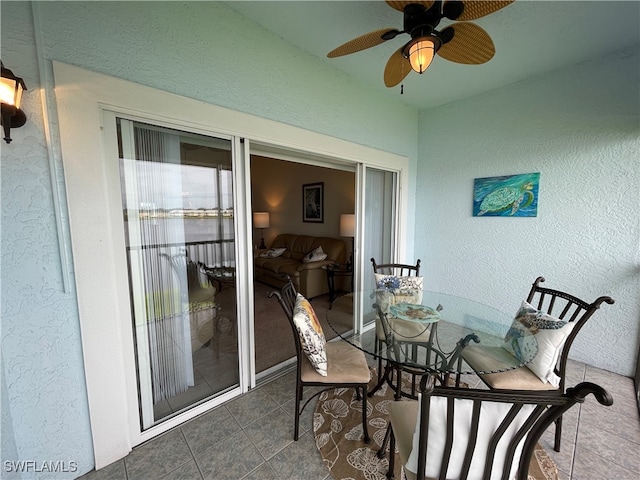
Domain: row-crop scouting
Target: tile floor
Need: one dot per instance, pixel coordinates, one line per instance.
(215, 361)
(251, 437)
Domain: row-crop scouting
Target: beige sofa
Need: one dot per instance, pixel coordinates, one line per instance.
(309, 278)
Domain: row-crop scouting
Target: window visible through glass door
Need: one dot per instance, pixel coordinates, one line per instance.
(177, 193)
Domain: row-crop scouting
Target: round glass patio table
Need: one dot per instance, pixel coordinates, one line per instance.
(429, 331)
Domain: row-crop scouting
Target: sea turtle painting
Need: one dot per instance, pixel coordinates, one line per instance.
(506, 196)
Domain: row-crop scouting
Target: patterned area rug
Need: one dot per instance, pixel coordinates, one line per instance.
(337, 425)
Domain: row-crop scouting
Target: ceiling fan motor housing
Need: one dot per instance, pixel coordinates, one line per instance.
(420, 23)
(417, 17)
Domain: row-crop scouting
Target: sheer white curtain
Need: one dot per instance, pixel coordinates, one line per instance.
(379, 212)
(156, 237)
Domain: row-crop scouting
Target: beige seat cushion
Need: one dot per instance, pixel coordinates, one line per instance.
(406, 331)
(486, 359)
(202, 295)
(345, 364)
(403, 416)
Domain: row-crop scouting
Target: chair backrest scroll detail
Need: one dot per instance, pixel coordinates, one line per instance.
(485, 434)
(396, 269)
(566, 307)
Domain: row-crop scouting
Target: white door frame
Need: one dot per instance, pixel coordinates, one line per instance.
(100, 267)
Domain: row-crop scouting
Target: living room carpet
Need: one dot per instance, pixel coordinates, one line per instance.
(337, 426)
(273, 335)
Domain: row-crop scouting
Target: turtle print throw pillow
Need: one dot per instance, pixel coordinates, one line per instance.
(544, 343)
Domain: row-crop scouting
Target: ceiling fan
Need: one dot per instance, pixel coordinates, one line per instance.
(460, 42)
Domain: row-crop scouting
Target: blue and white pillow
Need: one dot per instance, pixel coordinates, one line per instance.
(392, 289)
(537, 334)
(389, 283)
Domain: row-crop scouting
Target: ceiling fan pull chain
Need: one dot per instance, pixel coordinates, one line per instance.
(401, 89)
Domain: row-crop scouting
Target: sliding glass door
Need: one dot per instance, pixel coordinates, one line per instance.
(181, 230)
(179, 222)
(380, 225)
(380, 216)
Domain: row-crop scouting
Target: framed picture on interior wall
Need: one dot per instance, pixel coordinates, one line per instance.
(313, 202)
(506, 196)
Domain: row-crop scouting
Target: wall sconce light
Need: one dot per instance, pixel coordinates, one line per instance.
(11, 90)
(261, 221)
(348, 229)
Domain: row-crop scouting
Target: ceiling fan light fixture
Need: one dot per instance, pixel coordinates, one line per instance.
(421, 52)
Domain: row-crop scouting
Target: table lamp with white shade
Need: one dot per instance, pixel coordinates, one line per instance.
(348, 229)
(261, 221)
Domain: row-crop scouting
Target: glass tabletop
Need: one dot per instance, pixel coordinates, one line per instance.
(430, 331)
(338, 268)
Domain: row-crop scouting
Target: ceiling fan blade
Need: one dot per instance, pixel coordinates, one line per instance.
(397, 68)
(363, 42)
(400, 5)
(470, 45)
(477, 9)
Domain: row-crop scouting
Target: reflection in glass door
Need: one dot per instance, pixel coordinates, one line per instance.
(380, 218)
(179, 229)
(380, 225)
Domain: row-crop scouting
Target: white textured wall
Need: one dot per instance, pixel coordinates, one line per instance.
(579, 128)
(44, 401)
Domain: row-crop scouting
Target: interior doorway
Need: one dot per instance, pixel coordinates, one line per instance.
(277, 189)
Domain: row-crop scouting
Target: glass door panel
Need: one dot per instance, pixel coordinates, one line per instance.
(177, 193)
(379, 225)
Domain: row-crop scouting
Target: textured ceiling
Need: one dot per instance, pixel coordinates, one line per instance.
(531, 37)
